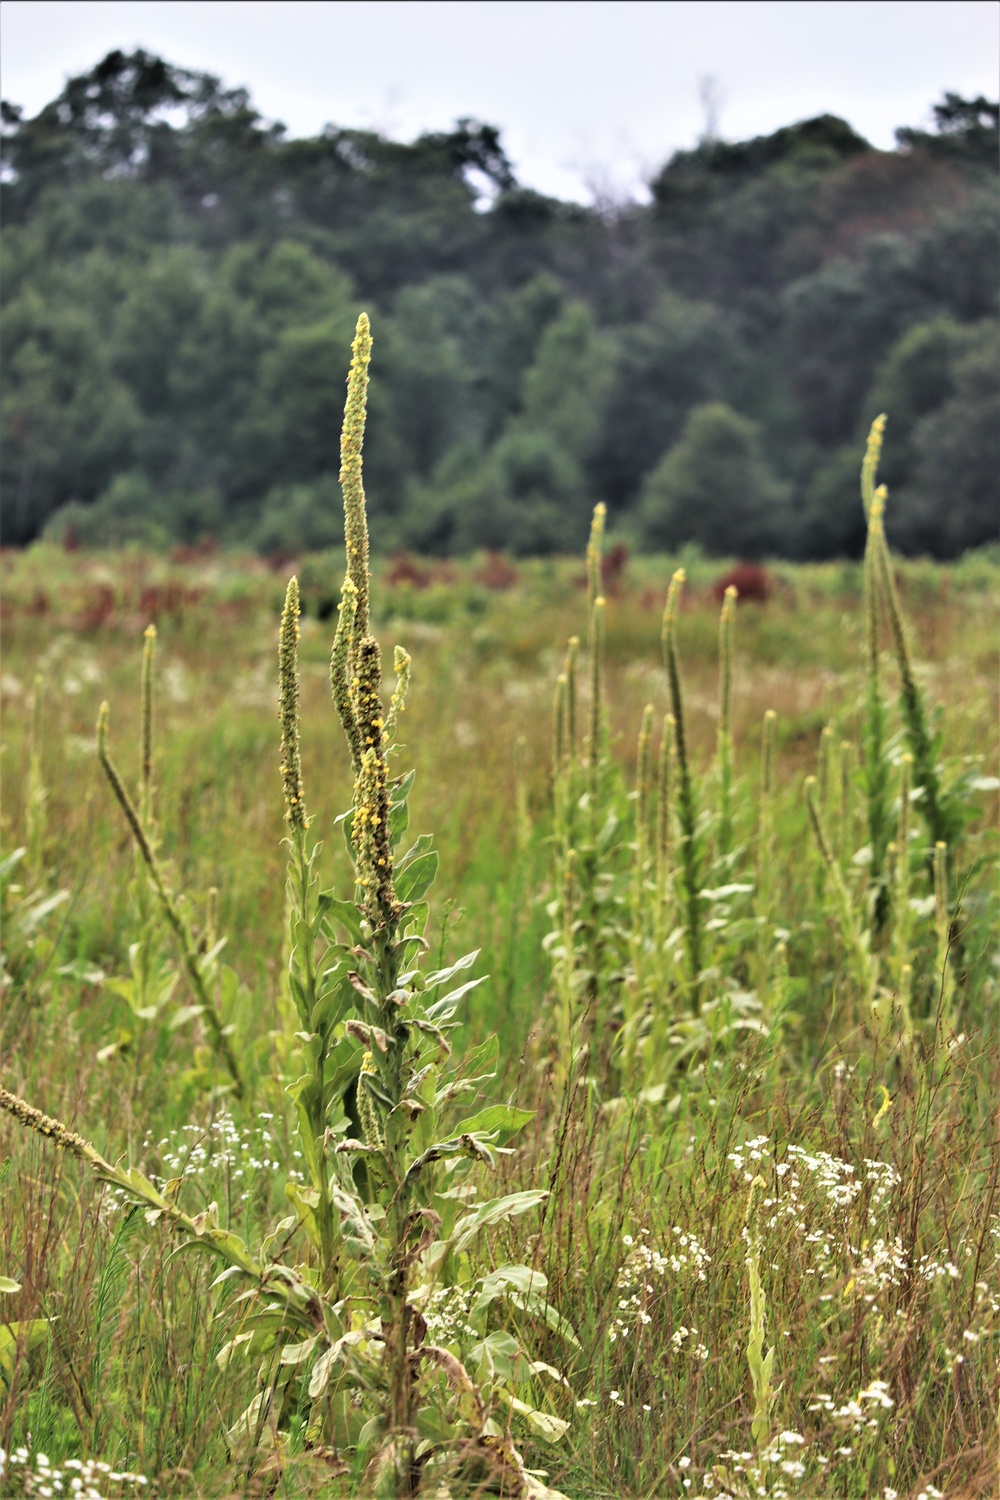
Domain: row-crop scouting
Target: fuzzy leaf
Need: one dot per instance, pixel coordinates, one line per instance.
(417, 877)
(497, 1117)
(333, 909)
(441, 976)
(445, 1008)
(421, 846)
(493, 1212)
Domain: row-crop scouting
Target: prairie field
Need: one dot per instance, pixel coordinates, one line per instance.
(738, 1124)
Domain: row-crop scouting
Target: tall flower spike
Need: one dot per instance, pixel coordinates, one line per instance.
(371, 793)
(595, 546)
(401, 660)
(288, 709)
(869, 467)
(664, 789)
(597, 623)
(341, 670)
(725, 737)
(670, 661)
(726, 656)
(571, 650)
(559, 723)
(352, 439)
(642, 777)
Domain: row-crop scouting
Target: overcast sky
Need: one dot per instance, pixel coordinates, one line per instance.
(589, 94)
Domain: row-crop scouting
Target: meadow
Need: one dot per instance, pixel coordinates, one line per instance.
(721, 1217)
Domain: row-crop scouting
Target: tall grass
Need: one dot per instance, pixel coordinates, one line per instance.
(695, 1193)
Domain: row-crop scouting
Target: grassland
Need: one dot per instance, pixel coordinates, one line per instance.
(773, 1169)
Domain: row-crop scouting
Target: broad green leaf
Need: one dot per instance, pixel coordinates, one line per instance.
(497, 1117)
(421, 846)
(522, 1278)
(493, 1212)
(399, 812)
(549, 1314)
(445, 1008)
(6, 1285)
(549, 1428)
(27, 1336)
(294, 1354)
(441, 976)
(418, 877)
(345, 912)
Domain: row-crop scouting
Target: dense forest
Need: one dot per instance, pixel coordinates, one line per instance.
(181, 280)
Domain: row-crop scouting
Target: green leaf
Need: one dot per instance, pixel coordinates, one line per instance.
(493, 1212)
(445, 1008)
(422, 846)
(523, 1278)
(399, 812)
(497, 1117)
(27, 1336)
(441, 976)
(180, 1017)
(6, 1285)
(549, 1428)
(549, 1314)
(418, 877)
(294, 1354)
(333, 909)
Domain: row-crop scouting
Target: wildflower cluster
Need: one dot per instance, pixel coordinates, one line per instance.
(220, 1151)
(23, 1472)
(447, 1315)
(813, 1194)
(643, 1280)
(789, 1458)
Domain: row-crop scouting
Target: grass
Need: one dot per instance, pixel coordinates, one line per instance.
(773, 1215)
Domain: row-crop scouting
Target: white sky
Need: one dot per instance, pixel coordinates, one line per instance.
(588, 93)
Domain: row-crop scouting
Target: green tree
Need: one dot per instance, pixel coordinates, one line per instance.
(68, 423)
(683, 355)
(958, 456)
(714, 487)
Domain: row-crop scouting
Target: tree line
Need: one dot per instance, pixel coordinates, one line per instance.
(181, 279)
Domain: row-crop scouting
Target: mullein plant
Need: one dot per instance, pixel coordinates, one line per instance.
(344, 1323)
(591, 896)
(690, 852)
(879, 931)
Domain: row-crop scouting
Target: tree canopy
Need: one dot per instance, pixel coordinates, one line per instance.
(181, 278)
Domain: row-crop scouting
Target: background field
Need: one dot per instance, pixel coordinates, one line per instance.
(907, 1293)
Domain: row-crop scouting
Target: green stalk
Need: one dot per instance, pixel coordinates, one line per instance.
(875, 734)
(725, 737)
(642, 804)
(664, 809)
(853, 936)
(357, 693)
(942, 926)
(303, 928)
(943, 827)
(765, 838)
(570, 669)
(687, 811)
(902, 923)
